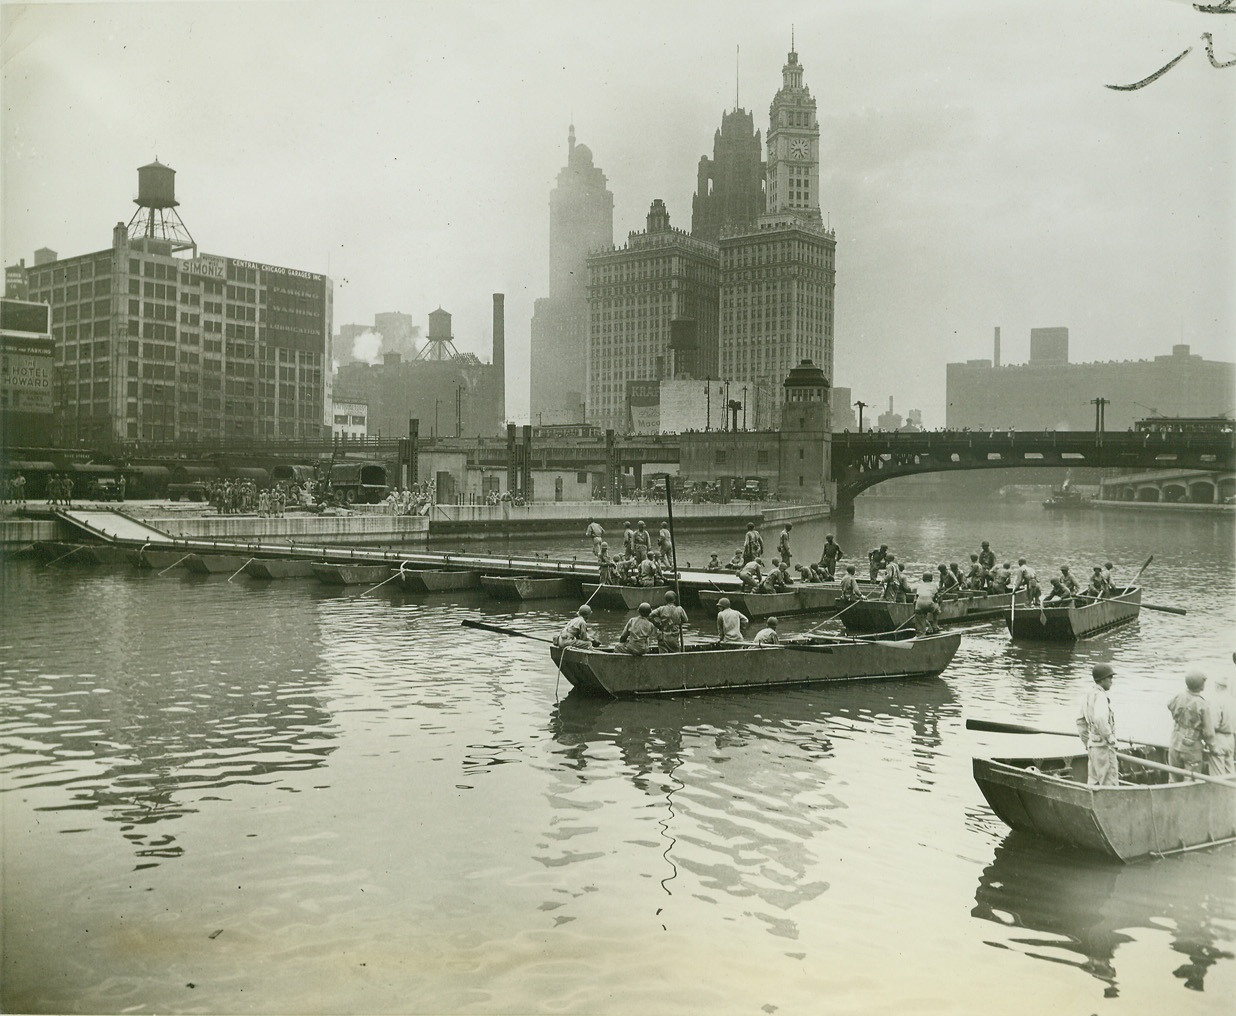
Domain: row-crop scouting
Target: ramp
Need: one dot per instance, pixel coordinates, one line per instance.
(113, 526)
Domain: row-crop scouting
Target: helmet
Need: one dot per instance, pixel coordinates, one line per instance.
(1195, 680)
(1102, 671)
(723, 603)
(645, 609)
(671, 596)
(584, 611)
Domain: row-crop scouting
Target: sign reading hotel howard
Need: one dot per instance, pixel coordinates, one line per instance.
(27, 352)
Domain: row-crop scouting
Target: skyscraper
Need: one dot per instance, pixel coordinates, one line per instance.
(651, 300)
(778, 275)
(730, 186)
(581, 220)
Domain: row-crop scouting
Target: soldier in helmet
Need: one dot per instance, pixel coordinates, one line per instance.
(575, 633)
(1193, 733)
(1096, 723)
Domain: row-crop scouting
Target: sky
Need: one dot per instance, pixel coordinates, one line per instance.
(976, 170)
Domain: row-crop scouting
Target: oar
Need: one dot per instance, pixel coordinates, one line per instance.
(1166, 610)
(1018, 728)
(1141, 569)
(482, 626)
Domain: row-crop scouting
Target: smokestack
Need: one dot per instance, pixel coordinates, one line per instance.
(499, 351)
(995, 360)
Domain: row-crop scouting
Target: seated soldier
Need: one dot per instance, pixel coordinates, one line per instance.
(640, 635)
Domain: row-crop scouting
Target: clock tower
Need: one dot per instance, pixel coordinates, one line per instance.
(793, 146)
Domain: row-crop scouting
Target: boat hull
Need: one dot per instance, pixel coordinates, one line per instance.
(215, 564)
(885, 615)
(437, 580)
(1123, 822)
(529, 587)
(713, 668)
(821, 596)
(624, 597)
(158, 560)
(1073, 622)
(754, 605)
(351, 574)
(279, 568)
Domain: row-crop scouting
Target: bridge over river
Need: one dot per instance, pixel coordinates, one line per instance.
(860, 461)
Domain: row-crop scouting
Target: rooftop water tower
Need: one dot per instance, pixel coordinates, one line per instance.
(156, 217)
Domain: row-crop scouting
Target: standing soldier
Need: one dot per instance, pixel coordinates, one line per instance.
(641, 541)
(752, 544)
(595, 531)
(628, 540)
(1193, 733)
(665, 543)
(783, 543)
(1096, 724)
(1221, 755)
(830, 554)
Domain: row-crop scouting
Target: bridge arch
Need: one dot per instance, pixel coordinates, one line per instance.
(1202, 491)
(1149, 493)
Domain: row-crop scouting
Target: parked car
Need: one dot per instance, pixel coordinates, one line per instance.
(105, 488)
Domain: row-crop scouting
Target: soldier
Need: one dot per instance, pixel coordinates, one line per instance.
(670, 619)
(1193, 732)
(595, 531)
(1096, 724)
(830, 554)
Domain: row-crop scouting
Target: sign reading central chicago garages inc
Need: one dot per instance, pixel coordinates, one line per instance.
(212, 267)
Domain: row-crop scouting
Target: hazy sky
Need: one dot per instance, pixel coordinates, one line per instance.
(977, 171)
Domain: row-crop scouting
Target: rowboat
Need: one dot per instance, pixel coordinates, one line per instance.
(1141, 816)
(351, 574)
(436, 580)
(279, 568)
(529, 587)
(628, 597)
(814, 596)
(754, 605)
(713, 667)
(216, 564)
(1079, 619)
(885, 615)
(158, 560)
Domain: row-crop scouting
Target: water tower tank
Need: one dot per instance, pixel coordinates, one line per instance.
(156, 186)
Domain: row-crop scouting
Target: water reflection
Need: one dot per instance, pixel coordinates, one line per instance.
(1083, 909)
(746, 782)
(147, 719)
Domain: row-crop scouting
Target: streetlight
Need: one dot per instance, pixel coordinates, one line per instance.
(727, 404)
(861, 406)
(744, 407)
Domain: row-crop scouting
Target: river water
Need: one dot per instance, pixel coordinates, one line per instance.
(232, 797)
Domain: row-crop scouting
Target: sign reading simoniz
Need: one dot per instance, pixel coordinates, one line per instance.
(211, 267)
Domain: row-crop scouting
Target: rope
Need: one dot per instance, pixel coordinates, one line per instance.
(239, 570)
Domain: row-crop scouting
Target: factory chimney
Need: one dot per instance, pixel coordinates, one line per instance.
(995, 360)
(499, 351)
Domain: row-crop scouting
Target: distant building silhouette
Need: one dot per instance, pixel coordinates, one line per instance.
(581, 220)
(730, 186)
(1049, 393)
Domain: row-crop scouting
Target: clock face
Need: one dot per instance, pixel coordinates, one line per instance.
(798, 148)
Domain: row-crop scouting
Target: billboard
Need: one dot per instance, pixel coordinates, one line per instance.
(27, 353)
(644, 406)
